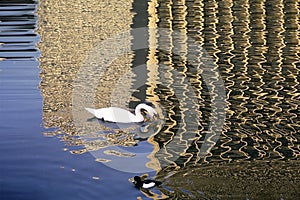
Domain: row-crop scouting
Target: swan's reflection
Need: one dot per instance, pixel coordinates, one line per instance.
(126, 147)
(141, 130)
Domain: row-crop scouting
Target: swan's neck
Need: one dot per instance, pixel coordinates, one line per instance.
(138, 111)
(141, 106)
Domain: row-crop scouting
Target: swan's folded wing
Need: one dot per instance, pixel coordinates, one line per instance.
(114, 114)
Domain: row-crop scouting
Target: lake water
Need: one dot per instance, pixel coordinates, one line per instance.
(222, 75)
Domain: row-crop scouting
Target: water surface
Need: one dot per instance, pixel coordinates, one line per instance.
(223, 75)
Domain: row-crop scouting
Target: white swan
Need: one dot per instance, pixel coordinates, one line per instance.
(119, 115)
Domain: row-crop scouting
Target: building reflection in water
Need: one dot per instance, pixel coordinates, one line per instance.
(251, 84)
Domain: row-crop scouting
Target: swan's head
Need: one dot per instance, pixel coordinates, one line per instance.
(150, 110)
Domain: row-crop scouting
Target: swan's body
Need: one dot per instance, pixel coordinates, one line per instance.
(119, 115)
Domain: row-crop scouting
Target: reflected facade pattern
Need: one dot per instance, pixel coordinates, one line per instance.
(251, 48)
(254, 48)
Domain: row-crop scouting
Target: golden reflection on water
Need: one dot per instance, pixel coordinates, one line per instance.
(254, 46)
(69, 31)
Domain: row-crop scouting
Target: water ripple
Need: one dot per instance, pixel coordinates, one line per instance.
(254, 48)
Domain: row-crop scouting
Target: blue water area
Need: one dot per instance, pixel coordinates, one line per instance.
(37, 167)
(33, 166)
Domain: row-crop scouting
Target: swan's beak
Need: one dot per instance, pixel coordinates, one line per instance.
(150, 117)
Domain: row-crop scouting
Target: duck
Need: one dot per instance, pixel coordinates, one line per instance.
(145, 184)
(120, 115)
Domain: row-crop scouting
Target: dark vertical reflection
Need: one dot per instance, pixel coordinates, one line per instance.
(140, 20)
(237, 93)
(287, 128)
(225, 47)
(210, 35)
(170, 103)
(273, 76)
(256, 83)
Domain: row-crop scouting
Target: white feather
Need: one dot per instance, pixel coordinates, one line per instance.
(148, 185)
